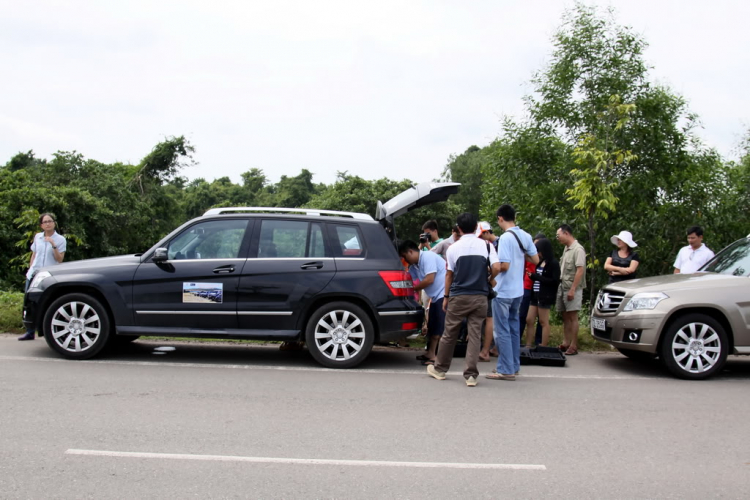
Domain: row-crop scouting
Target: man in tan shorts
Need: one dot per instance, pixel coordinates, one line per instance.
(572, 283)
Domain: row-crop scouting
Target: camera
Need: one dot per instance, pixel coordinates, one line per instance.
(425, 237)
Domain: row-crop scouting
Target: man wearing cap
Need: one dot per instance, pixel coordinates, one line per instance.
(692, 257)
(623, 262)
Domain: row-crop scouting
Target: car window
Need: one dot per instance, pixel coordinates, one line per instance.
(317, 247)
(220, 239)
(733, 260)
(350, 241)
(290, 239)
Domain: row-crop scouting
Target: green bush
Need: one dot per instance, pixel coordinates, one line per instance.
(11, 309)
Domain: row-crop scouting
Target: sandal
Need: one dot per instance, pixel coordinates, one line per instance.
(572, 351)
(422, 357)
(500, 376)
(563, 347)
(428, 362)
(484, 358)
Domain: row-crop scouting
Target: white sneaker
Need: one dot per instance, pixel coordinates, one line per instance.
(471, 382)
(432, 372)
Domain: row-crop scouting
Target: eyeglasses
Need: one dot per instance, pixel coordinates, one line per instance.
(48, 222)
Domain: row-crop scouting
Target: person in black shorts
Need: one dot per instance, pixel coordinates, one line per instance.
(429, 269)
(543, 294)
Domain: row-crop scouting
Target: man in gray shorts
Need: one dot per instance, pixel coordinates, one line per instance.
(572, 283)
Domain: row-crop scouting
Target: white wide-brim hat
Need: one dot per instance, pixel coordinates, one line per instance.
(626, 237)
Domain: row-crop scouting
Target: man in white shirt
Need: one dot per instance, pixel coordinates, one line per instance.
(692, 257)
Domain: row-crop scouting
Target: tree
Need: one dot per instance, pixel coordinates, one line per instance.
(351, 193)
(466, 168)
(294, 191)
(595, 182)
(665, 179)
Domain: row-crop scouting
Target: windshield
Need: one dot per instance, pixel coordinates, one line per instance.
(733, 260)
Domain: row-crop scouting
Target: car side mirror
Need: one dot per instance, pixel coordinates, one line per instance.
(160, 255)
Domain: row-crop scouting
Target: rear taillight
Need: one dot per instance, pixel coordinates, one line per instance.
(409, 326)
(399, 282)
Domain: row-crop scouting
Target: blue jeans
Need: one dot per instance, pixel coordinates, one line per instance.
(507, 334)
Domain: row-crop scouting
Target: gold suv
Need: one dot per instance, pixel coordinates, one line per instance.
(690, 321)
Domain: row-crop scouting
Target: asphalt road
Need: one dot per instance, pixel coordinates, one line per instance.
(236, 421)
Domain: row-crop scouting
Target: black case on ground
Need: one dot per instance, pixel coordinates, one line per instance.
(541, 355)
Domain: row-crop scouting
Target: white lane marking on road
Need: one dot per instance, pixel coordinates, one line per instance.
(178, 364)
(303, 461)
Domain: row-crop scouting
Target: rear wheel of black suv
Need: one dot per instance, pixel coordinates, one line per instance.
(339, 335)
(695, 347)
(76, 325)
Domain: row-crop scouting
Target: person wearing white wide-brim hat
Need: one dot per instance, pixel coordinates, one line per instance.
(623, 262)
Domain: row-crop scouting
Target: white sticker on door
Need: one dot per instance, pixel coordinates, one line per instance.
(203, 293)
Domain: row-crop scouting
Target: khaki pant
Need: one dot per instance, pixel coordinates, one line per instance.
(474, 309)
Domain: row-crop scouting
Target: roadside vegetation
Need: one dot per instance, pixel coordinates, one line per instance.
(11, 306)
(601, 147)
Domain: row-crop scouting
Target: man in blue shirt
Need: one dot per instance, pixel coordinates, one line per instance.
(429, 269)
(516, 246)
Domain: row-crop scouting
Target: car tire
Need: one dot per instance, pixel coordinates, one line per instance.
(76, 326)
(339, 335)
(695, 347)
(640, 356)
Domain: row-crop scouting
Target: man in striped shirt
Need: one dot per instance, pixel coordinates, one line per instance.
(472, 263)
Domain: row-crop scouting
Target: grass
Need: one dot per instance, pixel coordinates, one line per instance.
(11, 312)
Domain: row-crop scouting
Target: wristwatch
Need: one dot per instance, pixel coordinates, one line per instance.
(54, 247)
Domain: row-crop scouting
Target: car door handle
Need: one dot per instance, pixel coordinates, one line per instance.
(312, 265)
(224, 269)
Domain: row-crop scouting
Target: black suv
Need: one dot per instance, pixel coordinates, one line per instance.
(332, 279)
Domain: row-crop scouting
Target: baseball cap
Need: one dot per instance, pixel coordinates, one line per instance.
(483, 227)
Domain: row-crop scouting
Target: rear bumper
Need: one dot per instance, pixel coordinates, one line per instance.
(395, 325)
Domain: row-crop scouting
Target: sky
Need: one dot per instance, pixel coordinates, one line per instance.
(376, 89)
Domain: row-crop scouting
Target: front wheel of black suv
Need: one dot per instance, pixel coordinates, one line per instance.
(76, 325)
(339, 335)
(695, 347)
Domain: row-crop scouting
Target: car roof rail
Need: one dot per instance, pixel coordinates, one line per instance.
(305, 211)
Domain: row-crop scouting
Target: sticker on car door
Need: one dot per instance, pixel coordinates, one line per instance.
(202, 293)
